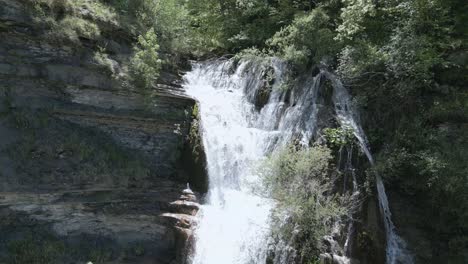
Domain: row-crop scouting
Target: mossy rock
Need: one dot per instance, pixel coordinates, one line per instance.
(263, 93)
(194, 157)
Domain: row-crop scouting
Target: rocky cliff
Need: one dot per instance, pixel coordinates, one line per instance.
(89, 164)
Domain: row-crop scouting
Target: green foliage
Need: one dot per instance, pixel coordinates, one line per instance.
(251, 54)
(405, 60)
(297, 180)
(169, 19)
(432, 166)
(353, 17)
(207, 26)
(125, 6)
(145, 64)
(398, 59)
(338, 137)
(75, 27)
(404, 45)
(92, 10)
(171, 22)
(308, 38)
(234, 25)
(71, 20)
(102, 59)
(194, 133)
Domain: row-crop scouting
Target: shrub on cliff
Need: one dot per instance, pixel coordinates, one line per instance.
(297, 180)
(72, 20)
(169, 18)
(145, 64)
(74, 27)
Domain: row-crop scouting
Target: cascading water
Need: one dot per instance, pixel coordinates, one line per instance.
(234, 221)
(349, 171)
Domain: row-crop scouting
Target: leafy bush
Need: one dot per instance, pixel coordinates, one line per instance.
(337, 137)
(75, 27)
(353, 17)
(171, 23)
(169, 19)
(71, 20)
(102, 59)
(145, 64)
(234, 25)
(297, 180)
(90, 9)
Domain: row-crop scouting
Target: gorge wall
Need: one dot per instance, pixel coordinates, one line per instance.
(89, 165)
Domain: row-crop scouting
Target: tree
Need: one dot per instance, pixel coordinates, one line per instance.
(145, 64)
(308, 38)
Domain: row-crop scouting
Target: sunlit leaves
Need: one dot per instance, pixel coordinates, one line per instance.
(145, 64)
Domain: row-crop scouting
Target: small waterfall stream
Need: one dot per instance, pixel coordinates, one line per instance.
(234, 222)
(397, 251)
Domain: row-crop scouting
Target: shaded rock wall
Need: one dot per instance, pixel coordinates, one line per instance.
(61, 77)
(87, 161)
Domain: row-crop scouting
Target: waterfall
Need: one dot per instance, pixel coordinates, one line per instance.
(233, 223)
(349, 170)
(396, 251)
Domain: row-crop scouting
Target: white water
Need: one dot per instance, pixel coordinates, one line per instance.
(234, 223)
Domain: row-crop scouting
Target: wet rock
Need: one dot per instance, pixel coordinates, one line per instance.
(185, 207)
(184, 244)
(194, 157)
(183, 221)
(327, 258)
(178, 220)
(183, 210)
(332, 245)
(262, 94)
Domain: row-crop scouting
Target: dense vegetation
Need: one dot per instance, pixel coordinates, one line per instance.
(300, 180)
(158, 29)
(405, 61)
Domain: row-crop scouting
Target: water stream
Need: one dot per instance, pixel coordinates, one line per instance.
(397, 251)
(234, 222)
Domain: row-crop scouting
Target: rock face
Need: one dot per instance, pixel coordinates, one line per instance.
(88, 165)
(115, 226)
(263, 93)
(182, 220)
